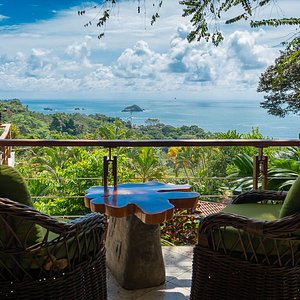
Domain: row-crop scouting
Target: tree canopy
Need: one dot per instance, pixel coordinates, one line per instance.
(281, 82)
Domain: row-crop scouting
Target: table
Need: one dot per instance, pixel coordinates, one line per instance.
(133, 248)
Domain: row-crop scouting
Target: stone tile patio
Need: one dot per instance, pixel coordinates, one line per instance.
(178, 262)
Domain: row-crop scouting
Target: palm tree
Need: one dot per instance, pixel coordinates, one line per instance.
(52, 160)
(145, 163)
(285, 168)
(115, 131)
(242, 172)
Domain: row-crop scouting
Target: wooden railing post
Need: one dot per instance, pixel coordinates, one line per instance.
(255, 172)
(5, 150)
(260, 168)
(105, 172)
(107, 161)
(115, 170)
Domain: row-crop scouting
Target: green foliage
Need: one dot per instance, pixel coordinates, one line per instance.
(114, 131)
(224, 157)
(162, 131)
(241, 172)
(104, 9)
(281, 82)
(29, 124)
(275, 22)
(206, 15)
(202, 15)
(284, 168)
(152, 121)
(145, 164)
(193, 164)
(61, 206)
(63, 172)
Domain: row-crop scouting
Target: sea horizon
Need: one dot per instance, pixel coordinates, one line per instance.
(210, 115)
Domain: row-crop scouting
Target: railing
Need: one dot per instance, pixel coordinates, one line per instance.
(260, 161)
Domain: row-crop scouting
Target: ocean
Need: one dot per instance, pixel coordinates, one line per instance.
(213, 116)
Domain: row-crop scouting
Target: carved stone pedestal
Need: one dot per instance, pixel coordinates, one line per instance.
(134, 254)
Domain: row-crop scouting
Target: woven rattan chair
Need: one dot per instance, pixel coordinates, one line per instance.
(68, 262)
(261, 262)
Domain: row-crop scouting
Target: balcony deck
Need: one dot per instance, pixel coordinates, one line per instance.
(178, 262)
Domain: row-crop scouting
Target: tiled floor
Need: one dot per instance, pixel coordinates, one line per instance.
(178, 262)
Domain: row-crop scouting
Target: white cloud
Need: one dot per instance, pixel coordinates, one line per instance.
(61, 57)
(2, 17)
(139, 62)
(78, 50)
(243, 47)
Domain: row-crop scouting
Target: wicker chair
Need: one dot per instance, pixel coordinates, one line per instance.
(68, 262)
(263, 262)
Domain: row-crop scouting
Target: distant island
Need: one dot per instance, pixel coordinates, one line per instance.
(132, 108)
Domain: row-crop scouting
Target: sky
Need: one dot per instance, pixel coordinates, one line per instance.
(46, 52)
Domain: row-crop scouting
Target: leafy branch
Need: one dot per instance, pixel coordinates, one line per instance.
(203, 13)
(281, 82)
(105, 9)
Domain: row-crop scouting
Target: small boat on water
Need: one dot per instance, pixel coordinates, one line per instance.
(48, 108)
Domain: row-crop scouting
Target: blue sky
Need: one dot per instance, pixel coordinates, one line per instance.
(47, 53)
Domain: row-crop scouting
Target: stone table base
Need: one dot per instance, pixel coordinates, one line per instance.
(134, 254)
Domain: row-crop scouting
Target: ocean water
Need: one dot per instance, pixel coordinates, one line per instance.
(214, 116)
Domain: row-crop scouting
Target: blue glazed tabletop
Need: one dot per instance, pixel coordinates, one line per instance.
(152, 202)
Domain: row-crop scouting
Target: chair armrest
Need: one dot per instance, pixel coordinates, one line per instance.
(281, 228)
(50, 226)
(83, 223)
(255, 196)
(57, 245)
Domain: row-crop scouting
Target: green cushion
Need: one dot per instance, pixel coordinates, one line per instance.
(234, 240)
(259, 211)
(58, 255)
(73, 248)
(291, 204)
(13, 186)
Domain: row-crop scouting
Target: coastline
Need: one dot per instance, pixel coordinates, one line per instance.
(213, 116)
